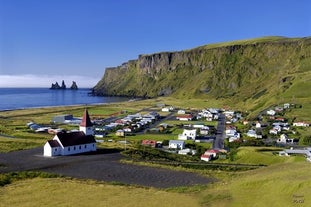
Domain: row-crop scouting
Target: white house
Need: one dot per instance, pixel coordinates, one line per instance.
(181, 111)
(72, 142)
(258, 125)
(187, 151)
(168, 109)
(251, 133)
(271, 112)
(176, 144)
(301, 124)
(188, 134)
(209, 154)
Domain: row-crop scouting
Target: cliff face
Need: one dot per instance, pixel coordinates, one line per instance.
(249, 68)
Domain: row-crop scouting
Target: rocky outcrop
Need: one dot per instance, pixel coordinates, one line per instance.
(237, 69)
(55, 86)
(74, 86)
(63, 86)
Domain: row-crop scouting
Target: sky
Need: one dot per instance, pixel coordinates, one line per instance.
(44, 41)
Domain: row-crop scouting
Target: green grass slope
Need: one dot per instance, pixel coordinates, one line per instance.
(252, 74)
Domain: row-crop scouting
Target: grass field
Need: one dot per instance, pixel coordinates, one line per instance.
(284, 182)
(66, 192)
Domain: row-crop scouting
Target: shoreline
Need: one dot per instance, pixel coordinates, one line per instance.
(47, 107)
(70, 105)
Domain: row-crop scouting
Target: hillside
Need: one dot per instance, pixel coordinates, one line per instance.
(256, 71)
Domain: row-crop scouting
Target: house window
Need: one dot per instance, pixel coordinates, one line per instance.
(68, 148)
(79, 147)
(55, 149)
(85, 146)
(74, 148)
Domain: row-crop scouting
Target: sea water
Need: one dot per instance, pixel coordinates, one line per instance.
(20, 98)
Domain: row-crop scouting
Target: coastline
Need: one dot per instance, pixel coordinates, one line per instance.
(59, 106)
(34, 98)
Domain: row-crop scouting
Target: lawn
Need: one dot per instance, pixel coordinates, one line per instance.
(261, 156)
(14, 144)
(284, 184)
(67, 192)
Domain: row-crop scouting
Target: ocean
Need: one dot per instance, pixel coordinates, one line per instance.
(21, 98)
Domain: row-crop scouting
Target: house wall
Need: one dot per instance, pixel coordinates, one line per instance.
(176, 146)
(49, 151)
(76, 149)
(87, 130)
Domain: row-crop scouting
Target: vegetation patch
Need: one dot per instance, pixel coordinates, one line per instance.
(8, 178)
(13, 144)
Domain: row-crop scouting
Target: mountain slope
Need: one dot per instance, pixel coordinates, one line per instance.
(248, 70)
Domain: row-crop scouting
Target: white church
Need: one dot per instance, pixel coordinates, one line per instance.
(72, 142)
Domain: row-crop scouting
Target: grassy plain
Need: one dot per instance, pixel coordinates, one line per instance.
(284, 182)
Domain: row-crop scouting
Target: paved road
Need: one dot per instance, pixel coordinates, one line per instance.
(220, 133)
(104, 165)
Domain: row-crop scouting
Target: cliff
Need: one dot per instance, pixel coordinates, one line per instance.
(240, 70)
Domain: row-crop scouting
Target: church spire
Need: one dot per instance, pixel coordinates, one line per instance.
(86, 121)
(86, 125)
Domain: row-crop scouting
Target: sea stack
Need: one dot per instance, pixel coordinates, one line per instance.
(55, 86)
(63, 85)
(74, 86)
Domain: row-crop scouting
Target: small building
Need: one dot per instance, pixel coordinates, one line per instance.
(213, 153)
(150, 143)
(286, 106)
(120, 133)
(206, 158)
(184, 117)
(187, 151)
(68, 143)
(301, 124)
(176, 144)
(188, 134)
(199, 125)
(181, 111)
(204, 130)
(62, 118)
(271, 112)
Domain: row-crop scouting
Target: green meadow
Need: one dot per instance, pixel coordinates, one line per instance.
(281, 181)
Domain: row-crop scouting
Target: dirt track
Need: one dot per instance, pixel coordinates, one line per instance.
(103, 166)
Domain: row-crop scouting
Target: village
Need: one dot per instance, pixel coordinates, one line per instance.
(208, 134)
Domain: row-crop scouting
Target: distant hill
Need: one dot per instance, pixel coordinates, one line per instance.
(254, 71)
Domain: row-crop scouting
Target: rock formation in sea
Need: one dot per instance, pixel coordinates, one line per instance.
(63, 85)
(55, 86)
(74, 86)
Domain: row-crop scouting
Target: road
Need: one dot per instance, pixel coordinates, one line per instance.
(103, 165)
(220, 133)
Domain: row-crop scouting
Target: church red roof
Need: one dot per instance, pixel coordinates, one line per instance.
(86, 121)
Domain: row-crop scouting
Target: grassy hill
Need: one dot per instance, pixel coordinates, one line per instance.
(251, 74)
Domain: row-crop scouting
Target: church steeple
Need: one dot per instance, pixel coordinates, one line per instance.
(86, 125)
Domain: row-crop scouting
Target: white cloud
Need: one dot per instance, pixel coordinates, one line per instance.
(45, 81)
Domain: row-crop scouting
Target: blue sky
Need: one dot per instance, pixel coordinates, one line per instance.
(45, 40)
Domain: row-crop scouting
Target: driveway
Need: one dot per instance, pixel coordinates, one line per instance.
(104, 165)
(220, 134)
